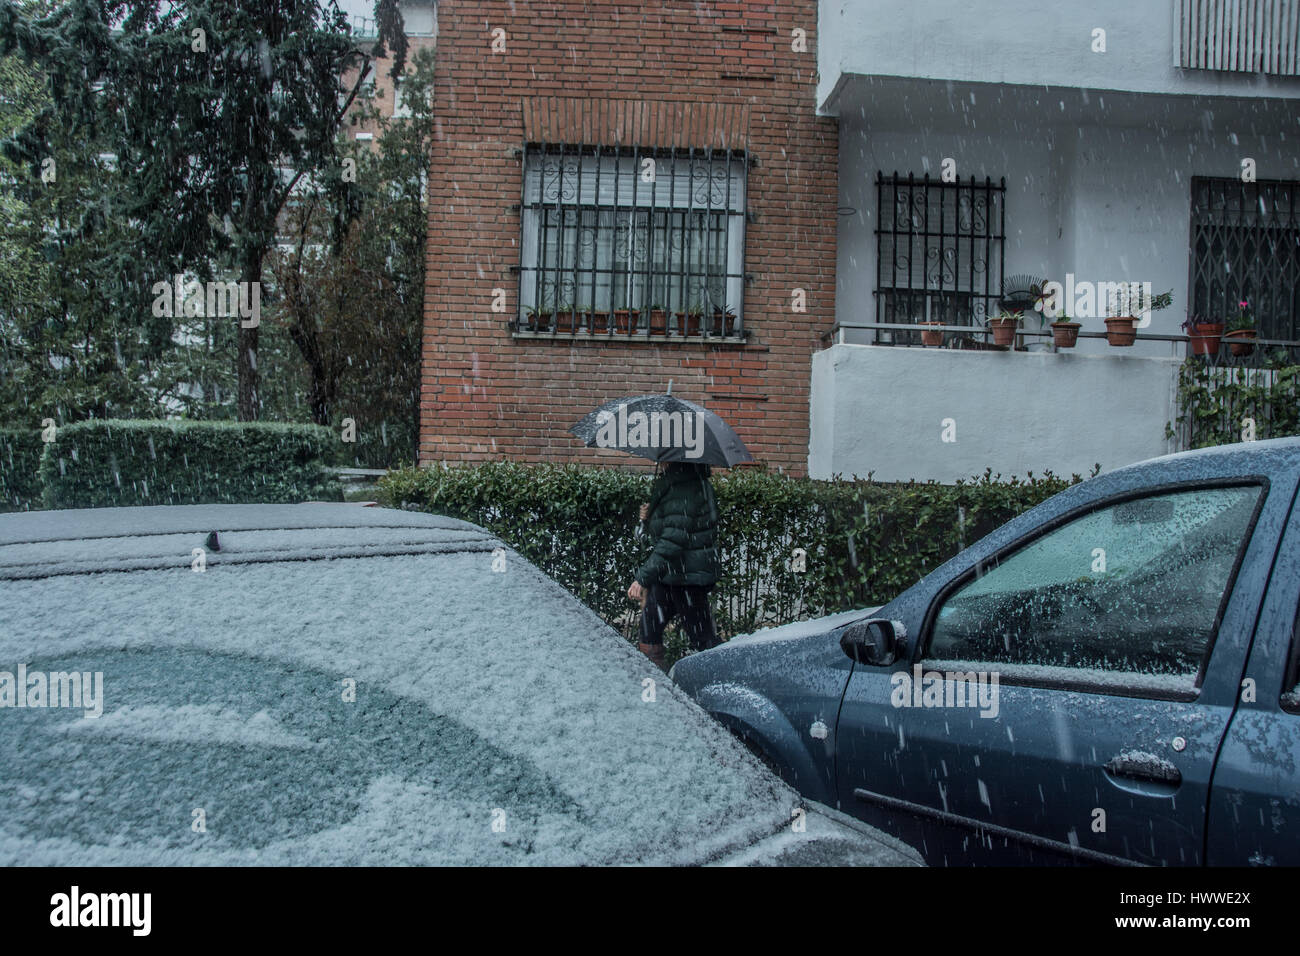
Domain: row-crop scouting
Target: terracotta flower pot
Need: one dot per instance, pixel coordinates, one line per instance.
(565, 321)
(1121, 330)
(623, 320)
(689, 323)
(724, 323)
(658, 322)
(1004, 331)
(599, 322)
(539, 322)
(1065, 335)
(1205, 337)
(931, 336)
(1241, 341)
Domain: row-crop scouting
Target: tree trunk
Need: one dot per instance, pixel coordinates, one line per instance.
(246, 363)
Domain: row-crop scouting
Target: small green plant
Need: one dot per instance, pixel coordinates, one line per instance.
(1241, 319)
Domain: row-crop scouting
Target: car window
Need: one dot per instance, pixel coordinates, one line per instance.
(1126, 595)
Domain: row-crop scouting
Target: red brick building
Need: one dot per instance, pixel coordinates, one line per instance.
(623, 194)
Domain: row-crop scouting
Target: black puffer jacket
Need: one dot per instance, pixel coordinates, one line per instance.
(683, 524)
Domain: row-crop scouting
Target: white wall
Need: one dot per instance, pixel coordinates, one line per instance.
(1036, 42)
(883, 410)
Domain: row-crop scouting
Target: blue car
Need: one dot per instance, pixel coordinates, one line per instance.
(1112, 677)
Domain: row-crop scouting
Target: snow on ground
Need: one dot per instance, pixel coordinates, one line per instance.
(481, 698)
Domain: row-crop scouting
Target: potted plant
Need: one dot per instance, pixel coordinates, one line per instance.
(565, 318)
(1121, 324)
(624, 319)
(1241, 333)
(539, 320)
(1204, 336)
(1065, 334)
(1021, 293)
(597, 320)
(658, 320)
(691, 321)
(932, 336)
(724, 322)
(1004, 326)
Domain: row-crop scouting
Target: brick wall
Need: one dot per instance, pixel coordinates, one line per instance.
(486, 395)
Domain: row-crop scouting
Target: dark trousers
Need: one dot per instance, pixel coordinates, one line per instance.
(688, 602)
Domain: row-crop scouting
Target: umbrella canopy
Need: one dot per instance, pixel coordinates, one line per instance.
(663, 428)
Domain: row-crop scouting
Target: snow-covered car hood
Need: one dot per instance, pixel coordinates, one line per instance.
(447, 704)
(802, 629)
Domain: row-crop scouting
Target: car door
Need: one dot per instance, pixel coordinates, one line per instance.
(1254, 817)
(1068, 693)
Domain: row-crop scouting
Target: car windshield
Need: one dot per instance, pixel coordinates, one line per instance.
(427, 708)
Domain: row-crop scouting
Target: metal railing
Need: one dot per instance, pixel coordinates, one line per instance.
(1261, 352)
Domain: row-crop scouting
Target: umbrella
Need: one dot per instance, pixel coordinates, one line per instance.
(663, 428)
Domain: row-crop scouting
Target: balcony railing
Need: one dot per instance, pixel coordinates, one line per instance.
(1263, 352)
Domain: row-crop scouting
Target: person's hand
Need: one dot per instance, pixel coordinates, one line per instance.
(645, 511)
(636, 593)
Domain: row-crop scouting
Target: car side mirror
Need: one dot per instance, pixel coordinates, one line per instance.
(876, 641)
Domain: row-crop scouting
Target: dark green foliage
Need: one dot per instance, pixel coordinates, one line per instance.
(1215, 401)
(20, 459)
(95, 464)
(864, 541)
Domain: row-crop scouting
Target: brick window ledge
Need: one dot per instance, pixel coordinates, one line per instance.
(636, 338)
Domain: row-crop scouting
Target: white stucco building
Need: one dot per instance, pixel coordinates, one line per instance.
(1148, 141)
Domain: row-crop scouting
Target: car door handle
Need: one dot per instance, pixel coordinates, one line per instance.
(1145, 767)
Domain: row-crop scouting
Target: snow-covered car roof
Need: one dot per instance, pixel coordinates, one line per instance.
(298, 703)
(40, 544)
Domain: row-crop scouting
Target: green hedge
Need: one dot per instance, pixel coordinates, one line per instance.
(864, 541)
(20, 460)
(110, 463)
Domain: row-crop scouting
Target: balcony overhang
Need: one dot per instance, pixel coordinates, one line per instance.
(952, 106)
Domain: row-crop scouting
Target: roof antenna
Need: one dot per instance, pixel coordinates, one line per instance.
(670, 388)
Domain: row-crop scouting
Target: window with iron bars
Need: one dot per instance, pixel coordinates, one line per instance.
(939, 251)
(632, 241)
(1245, 247)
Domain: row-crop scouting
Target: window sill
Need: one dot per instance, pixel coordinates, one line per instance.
(636, 338)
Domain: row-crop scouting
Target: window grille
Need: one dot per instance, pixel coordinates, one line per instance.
(939, 251)
(626, 240)
(1245, 247)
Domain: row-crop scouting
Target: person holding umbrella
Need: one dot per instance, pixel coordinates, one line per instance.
(681, 517)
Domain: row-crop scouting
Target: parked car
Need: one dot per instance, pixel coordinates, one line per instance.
(333, 684)
(1111, 677)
